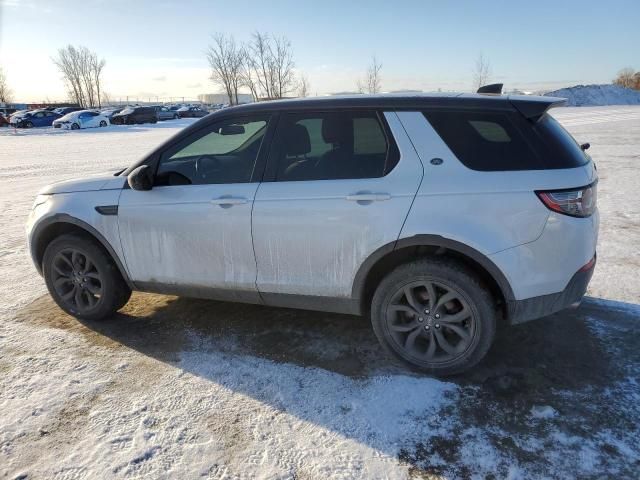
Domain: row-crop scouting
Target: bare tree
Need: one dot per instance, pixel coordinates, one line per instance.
(269, 66)
(283, 73)
(226, 61)
(5, 91)
(626, 78)
(481, 72)
(303, 86)
(372, 82)
(82, 71)
(97, 65)
(247, 74)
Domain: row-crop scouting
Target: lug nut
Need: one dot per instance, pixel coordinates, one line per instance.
(420, 319)
(426, 311)
(437, 315)
(437, 325)
(426, 327)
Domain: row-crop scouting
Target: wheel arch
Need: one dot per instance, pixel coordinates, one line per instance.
(387, 257)
(61, 224)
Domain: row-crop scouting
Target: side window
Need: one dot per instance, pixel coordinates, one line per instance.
(332, 145)
(487, 141)
(225, 153)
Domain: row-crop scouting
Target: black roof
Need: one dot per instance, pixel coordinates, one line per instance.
(530, 106)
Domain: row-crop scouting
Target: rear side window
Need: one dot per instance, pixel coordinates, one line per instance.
(496, 141)
(484, 140)
(332, 145)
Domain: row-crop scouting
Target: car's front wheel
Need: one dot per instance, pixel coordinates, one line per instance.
(28, 125)
(103, 123)
(75, 126)
(82, 278)
(434, 315)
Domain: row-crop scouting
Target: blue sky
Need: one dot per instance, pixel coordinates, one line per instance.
(157, 47)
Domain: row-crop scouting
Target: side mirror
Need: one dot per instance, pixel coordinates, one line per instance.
(585, 146)
(140, 178)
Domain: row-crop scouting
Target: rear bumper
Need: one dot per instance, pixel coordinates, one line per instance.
(521, 311)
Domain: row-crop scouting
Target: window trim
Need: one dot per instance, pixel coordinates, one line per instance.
(258, 167)
(272, 164)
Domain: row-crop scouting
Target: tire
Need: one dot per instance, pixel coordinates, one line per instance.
(445, 337)
(75, 126)
(82, 278)
(28, 125)
(175, 117)
(103, 123)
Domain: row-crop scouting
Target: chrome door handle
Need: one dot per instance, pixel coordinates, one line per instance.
(368, 197)
(228, 201)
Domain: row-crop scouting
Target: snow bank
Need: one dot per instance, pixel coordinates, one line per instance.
(594, 95)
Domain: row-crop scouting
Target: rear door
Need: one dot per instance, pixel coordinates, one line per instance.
(338, 186)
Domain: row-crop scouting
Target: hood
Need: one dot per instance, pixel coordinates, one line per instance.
(105, 181)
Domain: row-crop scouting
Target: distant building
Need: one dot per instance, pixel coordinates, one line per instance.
(213, 98)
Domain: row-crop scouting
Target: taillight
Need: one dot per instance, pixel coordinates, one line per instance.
(576, 202)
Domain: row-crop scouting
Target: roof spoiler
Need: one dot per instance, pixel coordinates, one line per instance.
(533, 108)
(494, 88)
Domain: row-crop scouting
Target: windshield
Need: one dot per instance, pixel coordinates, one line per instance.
(127, 111)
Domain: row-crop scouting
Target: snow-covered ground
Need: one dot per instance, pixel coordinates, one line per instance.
(597, 95)
(181, 388)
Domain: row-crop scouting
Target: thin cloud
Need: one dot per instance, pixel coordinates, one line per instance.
(160, 79)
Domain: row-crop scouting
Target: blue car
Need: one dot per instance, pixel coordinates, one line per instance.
(34, 118)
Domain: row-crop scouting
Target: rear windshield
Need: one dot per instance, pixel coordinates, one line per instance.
(505, 141)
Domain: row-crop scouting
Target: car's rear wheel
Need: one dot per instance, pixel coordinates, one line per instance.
(82, 278)
(103, 123)
(75, 126)
(434, 316)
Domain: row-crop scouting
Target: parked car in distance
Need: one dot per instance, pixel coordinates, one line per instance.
(133, 115)
(110, 112)
(81, 119)
(192, 112)
(33, 118)
(443, 217)
(17, 113)
(165, 113)
(64, 110)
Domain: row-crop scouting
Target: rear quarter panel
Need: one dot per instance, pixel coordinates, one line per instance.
(488, 211)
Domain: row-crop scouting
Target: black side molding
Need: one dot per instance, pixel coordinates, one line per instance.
(107, 209)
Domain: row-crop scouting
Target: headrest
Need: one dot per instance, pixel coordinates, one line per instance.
(338, 129)
(297, 140)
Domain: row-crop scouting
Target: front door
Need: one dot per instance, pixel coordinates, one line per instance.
(338, 186)
(191, 233)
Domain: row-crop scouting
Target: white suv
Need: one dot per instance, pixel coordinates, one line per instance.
(435, 215)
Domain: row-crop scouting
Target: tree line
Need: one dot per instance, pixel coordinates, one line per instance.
(628, 78)
(264, 65)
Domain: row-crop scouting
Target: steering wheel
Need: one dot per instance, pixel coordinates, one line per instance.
(205, 164)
